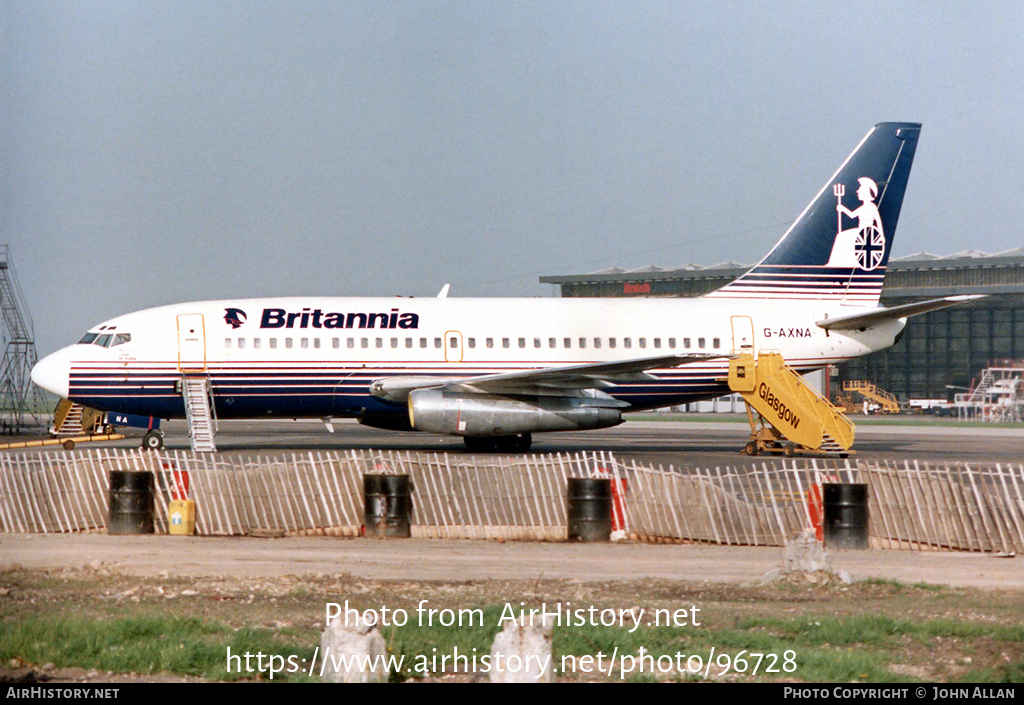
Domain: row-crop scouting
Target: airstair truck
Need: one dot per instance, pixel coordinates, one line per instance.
(793, 417)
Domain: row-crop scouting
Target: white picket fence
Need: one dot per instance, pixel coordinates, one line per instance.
(913, 506)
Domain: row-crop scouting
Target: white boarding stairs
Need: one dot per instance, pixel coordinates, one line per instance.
(200, 414)
(979, 394)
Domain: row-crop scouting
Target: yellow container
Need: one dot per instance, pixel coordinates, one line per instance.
(181, 517)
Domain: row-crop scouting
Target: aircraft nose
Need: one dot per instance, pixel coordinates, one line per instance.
(51, 373)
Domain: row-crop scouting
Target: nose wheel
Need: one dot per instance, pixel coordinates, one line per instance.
(153, 440)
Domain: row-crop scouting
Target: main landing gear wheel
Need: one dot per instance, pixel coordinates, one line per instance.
(503, 444)
(515, 444)
(479, 444)
(153, 440)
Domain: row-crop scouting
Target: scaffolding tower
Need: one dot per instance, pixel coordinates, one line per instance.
(22, 404)
(998, 396)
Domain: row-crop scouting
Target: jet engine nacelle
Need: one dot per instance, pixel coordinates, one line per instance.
(434, 411)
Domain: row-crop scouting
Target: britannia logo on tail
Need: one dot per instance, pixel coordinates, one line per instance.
(862, 246)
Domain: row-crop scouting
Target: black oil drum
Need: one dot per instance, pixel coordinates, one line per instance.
(131, 502)
(387, 505)
(590, 509)
(846, 516)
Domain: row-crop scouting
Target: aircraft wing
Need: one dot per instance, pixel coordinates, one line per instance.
(550, 380)
(860, 321)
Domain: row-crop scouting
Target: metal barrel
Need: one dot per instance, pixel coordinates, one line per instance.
(387, 505)
(846, 515)
(131, 502)
(590, 509)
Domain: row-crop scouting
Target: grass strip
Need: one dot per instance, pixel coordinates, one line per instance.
(862, 648)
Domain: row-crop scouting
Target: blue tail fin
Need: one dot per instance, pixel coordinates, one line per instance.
(839, 246)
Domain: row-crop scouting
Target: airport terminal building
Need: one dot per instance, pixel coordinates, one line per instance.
(940, 352)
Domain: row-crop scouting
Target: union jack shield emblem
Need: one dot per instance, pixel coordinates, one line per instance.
(869, 247)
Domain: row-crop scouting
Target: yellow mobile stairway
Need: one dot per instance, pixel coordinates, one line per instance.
(72, 424)
(788, 409)
(887, 403)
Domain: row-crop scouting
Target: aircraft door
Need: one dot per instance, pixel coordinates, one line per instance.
(452, 346)
(742, 335)
(191, 343)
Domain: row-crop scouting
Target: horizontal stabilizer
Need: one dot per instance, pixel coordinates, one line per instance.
(860, 321)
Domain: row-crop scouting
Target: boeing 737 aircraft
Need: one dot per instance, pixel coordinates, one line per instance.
(497, 370)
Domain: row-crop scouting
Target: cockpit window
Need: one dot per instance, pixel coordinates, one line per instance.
(121, 338)
(103, 341)
(88, 338)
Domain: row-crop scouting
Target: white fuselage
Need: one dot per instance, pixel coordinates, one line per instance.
(317, 357)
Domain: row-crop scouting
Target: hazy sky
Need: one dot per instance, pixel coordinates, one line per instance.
(155, 152)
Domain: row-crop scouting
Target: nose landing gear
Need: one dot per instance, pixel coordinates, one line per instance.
(153, 440)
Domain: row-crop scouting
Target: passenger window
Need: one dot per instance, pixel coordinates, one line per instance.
(472, 342)
(611, 342)
(716, 343)
(227, 343)
(241, 343)
(408, 342)
(335, 343)
(552, 343)
(536, 342)
(627, 342)
(121, 338)
(700, 343)
(379, 342)
(453, 342)
(583, 343)
(288, 343)
(304, 342)
(273, 343)
(316, 342)
(657, 343)
(437, 342)
(567, 343)
(597, 342)
(350, 342)
(686, 343)
(394, 342)
(490, 342)
(522, 342)
(504, 342)
(364, 342)
(672, 342)
(423, 342)
(643, 342)
(257, 343)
